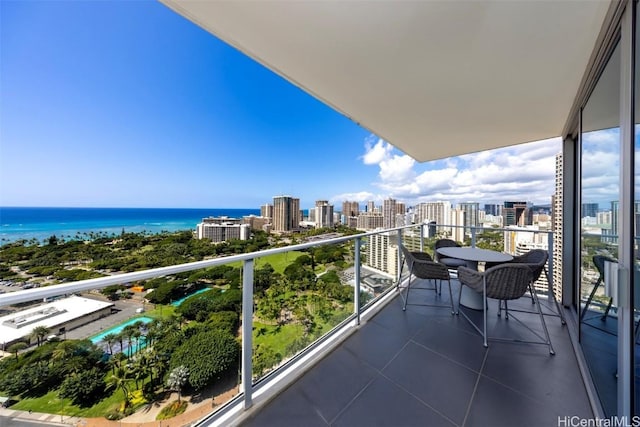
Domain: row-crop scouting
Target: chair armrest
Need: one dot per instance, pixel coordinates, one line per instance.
(471, 278)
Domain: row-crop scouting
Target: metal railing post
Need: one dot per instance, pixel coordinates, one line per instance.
(422, 237)
(247, 330)
(400, 261)
(356, 278)
(550, 261)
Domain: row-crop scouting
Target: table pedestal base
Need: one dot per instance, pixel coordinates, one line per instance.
(470, 298)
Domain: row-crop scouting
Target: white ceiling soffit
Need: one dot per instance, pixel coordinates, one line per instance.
(434, 78)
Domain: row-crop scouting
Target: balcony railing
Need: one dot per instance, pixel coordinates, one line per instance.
(372, 272)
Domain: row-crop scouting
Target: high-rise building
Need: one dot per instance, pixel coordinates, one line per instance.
(286, 213)
(266, 210)
(556, 221)
(589, 209)
(471, 211)
(439, 212)
(323, 214)
(457, 220)
(369, 221)
(515, 213)
(382, 253)
(401, 208)
(371, 206)
(603, 217)
(493, 209)
(221, 230)
(256, 222)
(350, 208)
(615, 212)
(389, 213)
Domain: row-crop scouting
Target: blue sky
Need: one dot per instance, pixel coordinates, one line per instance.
(127, 104)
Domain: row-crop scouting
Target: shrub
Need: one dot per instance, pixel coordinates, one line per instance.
(172, 409)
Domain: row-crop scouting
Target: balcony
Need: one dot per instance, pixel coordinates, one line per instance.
(427, 367)
(381, 365)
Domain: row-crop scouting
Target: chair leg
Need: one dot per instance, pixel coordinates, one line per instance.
(506, 310)
(404, 307)
(451, 296)
(459, 296)
(484, 311)
(544, 325)
(606, 312)
(591, 294)
(499, 308)
(400, 277)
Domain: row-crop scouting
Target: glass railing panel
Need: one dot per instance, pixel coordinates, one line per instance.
(109, 352)
(299, 296)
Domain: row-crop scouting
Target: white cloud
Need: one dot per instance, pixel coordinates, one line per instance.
(397, 169)
(523, 172)
(375, 154)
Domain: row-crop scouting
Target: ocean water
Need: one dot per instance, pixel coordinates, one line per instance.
(18, 223)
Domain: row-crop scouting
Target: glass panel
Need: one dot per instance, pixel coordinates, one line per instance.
(108, 352)
(600, 169)
(299, 297)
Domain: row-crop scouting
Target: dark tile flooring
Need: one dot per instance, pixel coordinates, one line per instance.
(426, 367)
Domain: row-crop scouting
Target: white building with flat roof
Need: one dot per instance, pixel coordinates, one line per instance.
(57, 316)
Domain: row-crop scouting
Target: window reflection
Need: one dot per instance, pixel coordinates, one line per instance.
(599, 220)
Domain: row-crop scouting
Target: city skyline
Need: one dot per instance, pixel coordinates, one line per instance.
(130, 105)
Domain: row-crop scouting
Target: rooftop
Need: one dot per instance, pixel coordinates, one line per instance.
(48, 315)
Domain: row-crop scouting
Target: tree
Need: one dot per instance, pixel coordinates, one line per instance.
(207, 355)
(64, 350)
(39, 333)
(177, 379)
(83, 387)
(119, 380)
(110, 339)
(15, 348)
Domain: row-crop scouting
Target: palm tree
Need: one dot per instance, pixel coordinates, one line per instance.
(120, 337)
(39, 333)
(64, 350)
(128, 332)
(15, 348)
(110, 339)
(137, 333)
(119, 380)
(140, 367)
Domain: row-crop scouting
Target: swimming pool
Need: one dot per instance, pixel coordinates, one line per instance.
(97, 339)
(181, 300)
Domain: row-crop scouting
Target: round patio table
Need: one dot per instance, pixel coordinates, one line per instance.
(469, 297)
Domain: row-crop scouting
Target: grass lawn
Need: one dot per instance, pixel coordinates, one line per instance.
(161, 311)
(51, 403)
(278, 338)
(274, 337)
(278, 261)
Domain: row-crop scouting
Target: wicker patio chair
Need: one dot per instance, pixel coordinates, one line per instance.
(422, 266)
(536, 259)
(452, 263)
(503, 282)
